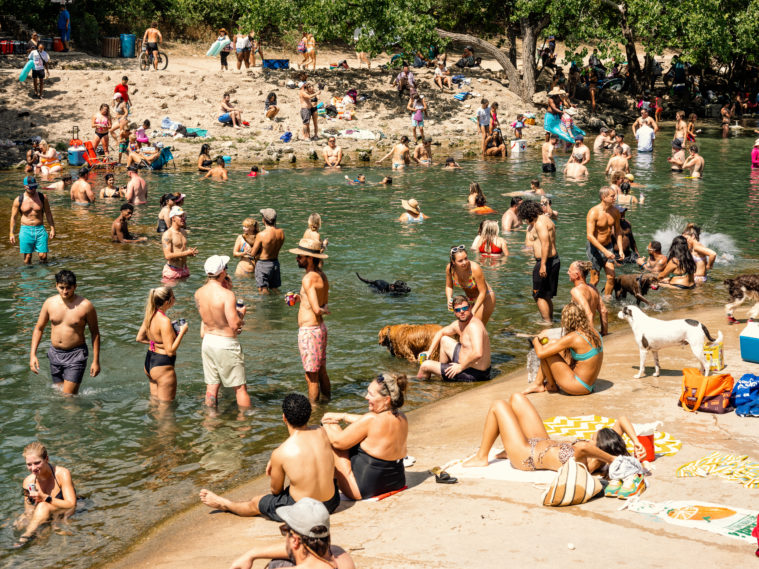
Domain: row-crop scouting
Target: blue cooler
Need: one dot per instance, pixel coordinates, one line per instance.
(750, 343)
(276, 64)
(76, 155)
(127, 45)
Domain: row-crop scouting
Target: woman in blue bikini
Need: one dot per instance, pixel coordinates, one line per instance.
(585, 348)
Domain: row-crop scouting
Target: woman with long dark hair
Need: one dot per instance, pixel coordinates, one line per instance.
(680, 270)
(468, 275)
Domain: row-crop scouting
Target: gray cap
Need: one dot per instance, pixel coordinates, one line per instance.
(604, 129)
(270, 214)
(304, 516)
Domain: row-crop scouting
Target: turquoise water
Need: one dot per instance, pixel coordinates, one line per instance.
(136, 466)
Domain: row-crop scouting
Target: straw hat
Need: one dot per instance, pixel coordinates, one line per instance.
(309, 248)
(556, 91)
(411, 205)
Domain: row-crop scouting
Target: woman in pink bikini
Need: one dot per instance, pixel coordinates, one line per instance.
(101, 122)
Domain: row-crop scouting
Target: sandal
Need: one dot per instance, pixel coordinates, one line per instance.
(612, 488)
(442, 477)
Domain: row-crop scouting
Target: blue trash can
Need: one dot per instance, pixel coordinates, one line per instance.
(127, 45)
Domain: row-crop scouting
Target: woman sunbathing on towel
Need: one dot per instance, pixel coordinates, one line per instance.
(585, 349)
(527, 444)
(369, 452)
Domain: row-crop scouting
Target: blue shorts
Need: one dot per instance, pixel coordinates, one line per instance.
(32, 238)
(225, 118)
(65, 34)
(417, 123)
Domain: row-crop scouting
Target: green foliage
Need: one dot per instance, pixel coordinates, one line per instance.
(86, 32)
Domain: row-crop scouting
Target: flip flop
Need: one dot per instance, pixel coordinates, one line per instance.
(442, 477)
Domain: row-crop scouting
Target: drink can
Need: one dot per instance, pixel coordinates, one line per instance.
(32, 487)
(240, 303)
(290, 298)
(422, 357)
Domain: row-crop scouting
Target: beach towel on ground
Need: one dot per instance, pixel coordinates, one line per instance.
(583, 428)
(461, 96)
(723, 520)
(736, 468)
(497, 469)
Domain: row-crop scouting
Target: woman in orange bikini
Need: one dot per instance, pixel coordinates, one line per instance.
(468, 275)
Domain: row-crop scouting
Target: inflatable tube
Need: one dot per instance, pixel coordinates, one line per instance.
(26, 71)
(552, 124)
(217, 46)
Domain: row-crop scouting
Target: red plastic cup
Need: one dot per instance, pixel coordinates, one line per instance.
(648, 443)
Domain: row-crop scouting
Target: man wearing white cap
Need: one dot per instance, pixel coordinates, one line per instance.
(223, 360)
(307, 541)
(266, 249)
(175, 250)
(312, 331)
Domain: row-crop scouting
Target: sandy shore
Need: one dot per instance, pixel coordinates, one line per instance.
(485, 523)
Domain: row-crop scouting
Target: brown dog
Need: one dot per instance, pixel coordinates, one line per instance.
(636, 285)
(741, 289)
(408, 340)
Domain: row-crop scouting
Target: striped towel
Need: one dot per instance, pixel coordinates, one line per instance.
(733, 467)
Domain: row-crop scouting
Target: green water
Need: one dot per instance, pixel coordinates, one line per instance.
(135, 467)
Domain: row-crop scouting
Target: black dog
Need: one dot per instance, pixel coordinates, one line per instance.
(398, 287)
(637, 285)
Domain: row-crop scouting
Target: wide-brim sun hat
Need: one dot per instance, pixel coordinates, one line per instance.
(556, 91)
(411, 205)
(309, 248)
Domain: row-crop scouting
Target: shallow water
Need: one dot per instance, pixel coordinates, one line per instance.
(135, 465)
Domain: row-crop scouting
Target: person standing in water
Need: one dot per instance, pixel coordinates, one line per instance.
(545, 273)
(32, 205)
(602, 223)
(312, 331)
(175, 250)
(266, 252)
(68, 314)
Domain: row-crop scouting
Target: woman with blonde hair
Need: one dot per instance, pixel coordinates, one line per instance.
(49, 162)
(489, 242)
(163, 338)
(585, 348)
(243, 247)
(48, 491)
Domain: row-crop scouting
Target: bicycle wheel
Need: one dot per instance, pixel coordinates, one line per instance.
(163, 60)
(144, 65)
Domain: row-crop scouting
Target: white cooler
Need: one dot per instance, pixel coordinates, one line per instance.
(518, 145)
(750, 343)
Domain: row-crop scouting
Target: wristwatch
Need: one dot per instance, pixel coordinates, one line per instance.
(49, 499)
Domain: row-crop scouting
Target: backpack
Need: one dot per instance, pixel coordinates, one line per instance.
(301, 47)
(21, 198)
(745, 396)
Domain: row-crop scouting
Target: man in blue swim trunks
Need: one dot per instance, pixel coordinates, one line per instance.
(64, 26)
(32, 205)
(68, 314)
(466, 360)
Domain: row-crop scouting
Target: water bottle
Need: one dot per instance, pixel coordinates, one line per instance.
(533, 365)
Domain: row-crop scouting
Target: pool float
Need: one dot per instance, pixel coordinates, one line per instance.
(217, 46)
(552, 124)
(26, 70)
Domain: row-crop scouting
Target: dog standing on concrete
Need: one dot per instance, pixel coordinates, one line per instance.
(408, 340)
(741, 289)
(653, 334)
(637, 285)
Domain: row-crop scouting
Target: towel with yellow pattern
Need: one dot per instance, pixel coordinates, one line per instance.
(736, 468)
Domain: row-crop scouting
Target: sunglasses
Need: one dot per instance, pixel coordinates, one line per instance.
(461, 309)
(457, 249)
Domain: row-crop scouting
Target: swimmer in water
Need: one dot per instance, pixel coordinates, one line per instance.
(360, 179)
(400, 154)
(694, 162)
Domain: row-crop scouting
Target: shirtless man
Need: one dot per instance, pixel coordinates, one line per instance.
(137, 187)
(677, 159)
(545, 273)
(586, 296)
(400, 154)
(223, 360)
(681, 126)
(333, 154)
(575, 170)
(218, 172)
(32, 235)
(618, 161)
(695, 162)
(61, 184)
(312, 331)
(619, 140)
(309, 98)
(602, 141)
(151, 40)
(580, 152)
(644, 119)
(656, 261)
(305, 458)
(601, 222)
(68, 314)
(510, 220)
(175, 250)
(423, 152)
(81, 191)
(120, 226)
(266, 250)
(466, 360)
(549, 164)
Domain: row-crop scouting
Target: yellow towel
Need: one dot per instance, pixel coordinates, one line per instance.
(733, 467)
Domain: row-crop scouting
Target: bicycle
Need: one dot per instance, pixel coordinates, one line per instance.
(146, 60)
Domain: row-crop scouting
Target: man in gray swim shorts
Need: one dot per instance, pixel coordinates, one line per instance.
(266, 249)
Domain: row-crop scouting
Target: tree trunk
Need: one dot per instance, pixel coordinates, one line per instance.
(633, 63)
(515, 82)
(529, 65)
(511, 35)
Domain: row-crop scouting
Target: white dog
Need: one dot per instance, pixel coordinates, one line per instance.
(653, 334)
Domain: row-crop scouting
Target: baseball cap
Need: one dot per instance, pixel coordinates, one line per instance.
(270, 214)
(579, 137)
(116, 96)
(214, 265)
(604, 129)
(175, 211)
(30, 181)
(305, 515)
